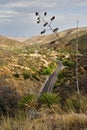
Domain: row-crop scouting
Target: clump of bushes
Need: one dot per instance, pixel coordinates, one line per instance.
(9, 99)
(16, 75)
(26, 102)
(63, 74)
(73, 104)
(69, 63)
(49, 98)
(26, 75)
(36, 76)
(47, 70)
(85, 67)
(76, 103)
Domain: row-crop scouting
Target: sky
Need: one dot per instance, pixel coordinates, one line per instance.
(17, 17)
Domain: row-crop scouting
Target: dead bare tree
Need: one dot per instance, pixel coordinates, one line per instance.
(77, 63)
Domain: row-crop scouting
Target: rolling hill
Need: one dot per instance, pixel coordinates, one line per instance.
(26, 65)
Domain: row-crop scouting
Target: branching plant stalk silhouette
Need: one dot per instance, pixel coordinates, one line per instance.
(46, 23)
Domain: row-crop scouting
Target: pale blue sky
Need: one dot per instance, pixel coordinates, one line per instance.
(17, 17)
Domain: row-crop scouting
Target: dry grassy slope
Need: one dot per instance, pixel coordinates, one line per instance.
(9, 42)
(20, 60)
(40, 39)
(19, 64)
(66, 35)
(66, 84)
(7, 50)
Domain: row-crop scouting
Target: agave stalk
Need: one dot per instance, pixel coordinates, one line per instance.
(47, 23)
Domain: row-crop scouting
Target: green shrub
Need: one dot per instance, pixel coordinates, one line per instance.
(16, 75)
(35, 76)
(28, 105)
(26, 102)
(63, 74)
(60, 82)
(67, 62)
(26, 75)
(49, 99)
(83, 103)
(77, 103)
(46, 71)
(9, 99)
(73, 104)
(85, 67)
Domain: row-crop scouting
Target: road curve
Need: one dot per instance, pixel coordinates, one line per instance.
(51, 80)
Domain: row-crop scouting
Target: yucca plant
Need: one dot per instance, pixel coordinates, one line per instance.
(27, 102)
(49, 98)
(28, 106)
(47, 25)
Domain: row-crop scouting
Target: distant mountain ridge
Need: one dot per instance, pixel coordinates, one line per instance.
(45, 38)
(63, 34)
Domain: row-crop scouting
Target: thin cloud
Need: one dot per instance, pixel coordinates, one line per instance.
(17, 16)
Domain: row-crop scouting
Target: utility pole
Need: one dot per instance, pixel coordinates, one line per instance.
(77, 74)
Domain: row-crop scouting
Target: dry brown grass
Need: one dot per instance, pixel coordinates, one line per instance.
(47, 122)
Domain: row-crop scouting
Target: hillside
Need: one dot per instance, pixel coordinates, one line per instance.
(25, 64)
(25, 67)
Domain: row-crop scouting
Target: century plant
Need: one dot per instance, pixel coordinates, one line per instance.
(26, 102)
(45, 23)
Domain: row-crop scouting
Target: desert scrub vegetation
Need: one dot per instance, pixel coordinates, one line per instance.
(76, 103)
(9, 98)
(47, 70)
(16, 75)
(64, 76)
(26, 102)
(67, 62)
(26, 75)
(47, 113)
(46, 122)
(49, 98)
(51, 101)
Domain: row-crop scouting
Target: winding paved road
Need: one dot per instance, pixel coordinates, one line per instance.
(50, 82)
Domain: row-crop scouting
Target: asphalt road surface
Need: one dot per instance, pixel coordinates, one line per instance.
(51, 80)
